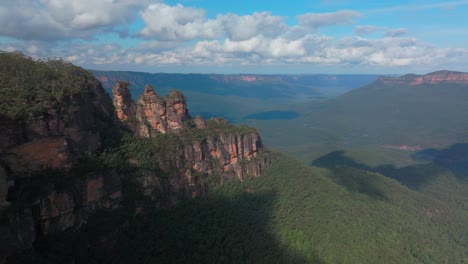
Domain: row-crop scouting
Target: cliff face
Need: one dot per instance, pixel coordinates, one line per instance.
(236, 155)
(55, 174)
(160, 115)
(152, 113)
(194, 167)
(123, 102)
(60, 134)
(211, 149)
(38, 194)
(430, 78)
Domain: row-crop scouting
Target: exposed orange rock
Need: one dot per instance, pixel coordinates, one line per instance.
(34, 155)
(124, 105)
(430, 78)
(54, 138)
(200, 122)
(155, 114)
(94, 189)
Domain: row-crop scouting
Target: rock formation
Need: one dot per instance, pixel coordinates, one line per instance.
(222, 150)
(156, 115)
(51, 172)
(430, 78)
(60, 134)
(200, 122)
(193, 166)
(152, 114)
(124, 105)
(35, 155)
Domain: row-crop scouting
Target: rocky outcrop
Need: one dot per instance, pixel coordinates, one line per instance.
(52, 176)
(430, 78)
(229, 151)
(56, 137)
(123, 102)
(156, 115)
(200, 122)
(176, 111)
(38, 195)
(208, 152)
(193, 167)
(153, 113)
(47, 205)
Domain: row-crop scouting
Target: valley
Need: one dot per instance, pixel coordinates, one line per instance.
(375, 174)
(225, 132)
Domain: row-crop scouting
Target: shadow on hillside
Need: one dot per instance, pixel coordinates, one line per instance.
(349, 174)
(209, 230)
(214, 229)
(454, 158)
(273, 115)
(414, 176)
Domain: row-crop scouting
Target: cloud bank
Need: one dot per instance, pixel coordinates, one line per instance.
(151, 34)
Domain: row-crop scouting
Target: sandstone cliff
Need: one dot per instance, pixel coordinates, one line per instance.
(123, 102)
(57, 167)
(430, 78)
(45, 129)
(160, 115)
(189, 169)
(200, 153)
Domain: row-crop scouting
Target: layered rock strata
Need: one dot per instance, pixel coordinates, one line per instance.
(37, 194)
(222, 152)
(44, 191)
(430, 78)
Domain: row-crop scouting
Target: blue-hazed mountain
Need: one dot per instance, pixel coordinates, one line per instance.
(97, 179)
(392, 114)
(237, 97)
(243, 85)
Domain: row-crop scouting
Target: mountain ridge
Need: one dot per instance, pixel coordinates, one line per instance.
(67, 153)
(243, 85)
(436, 77)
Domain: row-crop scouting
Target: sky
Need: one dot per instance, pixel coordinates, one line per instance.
(255, 36)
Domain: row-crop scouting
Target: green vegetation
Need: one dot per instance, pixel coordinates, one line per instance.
(31, 87)
(366, 121)
(215, 127)
(175, 94)
(358, 202)
(229, 97)
(300, 214)
(274, 115)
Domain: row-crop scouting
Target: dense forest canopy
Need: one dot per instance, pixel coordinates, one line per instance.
(31, 86)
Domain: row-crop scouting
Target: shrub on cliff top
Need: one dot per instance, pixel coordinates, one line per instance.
(214, 128)
(31, 86)
(175, 94)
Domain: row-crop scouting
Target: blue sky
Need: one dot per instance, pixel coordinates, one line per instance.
(295, 36)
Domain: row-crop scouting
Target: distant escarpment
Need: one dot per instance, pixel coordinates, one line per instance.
(260, 86)
(430, 78)
(196, 152)
(68, 154)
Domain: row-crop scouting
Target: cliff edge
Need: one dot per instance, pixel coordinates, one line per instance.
(199, 149)
(68, 151)
(451, 77)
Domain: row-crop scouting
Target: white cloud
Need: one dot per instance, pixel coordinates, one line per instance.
(249, 26)
(315, 20)
(178, 35)
(61, 19)
(166, 22)
(365, 30)
(446, 5)
(398, 32)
